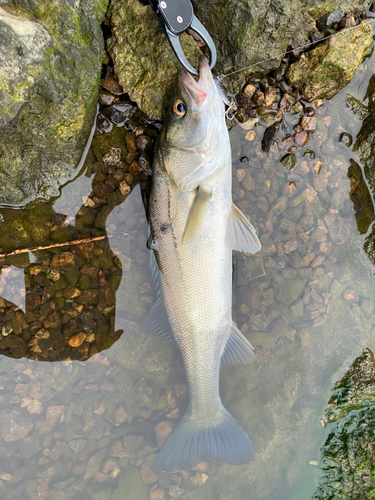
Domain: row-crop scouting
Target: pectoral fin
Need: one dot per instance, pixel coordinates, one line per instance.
(241, 235)
(238, 349)
(196, 214)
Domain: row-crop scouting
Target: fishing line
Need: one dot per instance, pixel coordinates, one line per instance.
(221, 77)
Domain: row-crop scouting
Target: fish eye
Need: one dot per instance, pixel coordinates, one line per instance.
(179, 108)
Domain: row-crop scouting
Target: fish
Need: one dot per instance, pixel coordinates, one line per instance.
(194, 226)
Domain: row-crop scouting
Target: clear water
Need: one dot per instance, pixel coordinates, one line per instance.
(78, 418)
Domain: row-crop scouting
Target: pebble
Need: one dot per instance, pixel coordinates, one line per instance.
(157, 494)
(175, 491)
(149, 476)
(162, 431)
(77, 340)
(318, 103)
(308, 123)
(301, 138)
(290, 246)
(351, 295)
(250, 89)
(317, 166)
(198, 479)
(250, 136)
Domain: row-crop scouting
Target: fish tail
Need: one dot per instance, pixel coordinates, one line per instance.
(192, 441)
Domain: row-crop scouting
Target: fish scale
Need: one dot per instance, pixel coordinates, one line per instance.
(194, 227)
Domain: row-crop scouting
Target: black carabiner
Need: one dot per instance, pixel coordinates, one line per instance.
(174, 18)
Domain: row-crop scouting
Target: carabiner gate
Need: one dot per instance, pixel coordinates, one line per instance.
(174, 18)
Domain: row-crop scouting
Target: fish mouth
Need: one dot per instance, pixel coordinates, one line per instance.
(197, 89)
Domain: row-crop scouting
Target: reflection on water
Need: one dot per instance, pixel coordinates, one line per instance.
(91, 430)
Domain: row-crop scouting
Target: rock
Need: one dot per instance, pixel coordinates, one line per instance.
(350, 443)
(149, 476)
(289, 161)
(131, 486)
(308, 123)
(162, 431)
(77, 340)
(301, 138)
(351, 295)
(175, 491)
(64, 260)
(198, 479)
(157, 494)
(329, 67)
(328, 20)
(15, 425)
(338, 228)
(50, 63)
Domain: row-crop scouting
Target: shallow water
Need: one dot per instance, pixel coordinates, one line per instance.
(81, 428)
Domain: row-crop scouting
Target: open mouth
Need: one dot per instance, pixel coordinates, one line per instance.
(197, 88)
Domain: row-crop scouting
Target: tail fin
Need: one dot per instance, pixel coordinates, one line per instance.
(192, 441)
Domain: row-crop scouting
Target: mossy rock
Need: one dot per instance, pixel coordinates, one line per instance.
(47, 106)
(348, 453)
(325, 70)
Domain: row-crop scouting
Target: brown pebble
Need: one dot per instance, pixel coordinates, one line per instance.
(157, 494)
(240, 174)
(162, 431)
(304, 237)
(176, 491)
(134, 168)
(308, 123)
(124, 188)
(250, 136)
(201, 467)
(112, 85)
(34, 270)
(317, 166)
(130, 142)
(301, 138)
(290, 246)
(64, 260)
(351, 294)
(198, 479)
(106, 99)
(317, 261)
(250, 89)
(149, 476)
(270, 96)
(102, 478)
(77, 340)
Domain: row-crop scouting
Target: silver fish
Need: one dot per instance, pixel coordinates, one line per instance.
(194, 228)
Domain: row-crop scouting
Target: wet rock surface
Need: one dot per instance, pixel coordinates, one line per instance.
(347, 454)
(51, 58)
(326, 69)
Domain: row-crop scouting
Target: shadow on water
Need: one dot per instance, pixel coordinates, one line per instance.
(89, 426)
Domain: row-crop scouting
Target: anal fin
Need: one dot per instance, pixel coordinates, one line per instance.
(238, 349)
(241, 235)
(156, 322)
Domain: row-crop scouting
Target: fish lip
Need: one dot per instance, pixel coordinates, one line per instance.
(197, 90)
